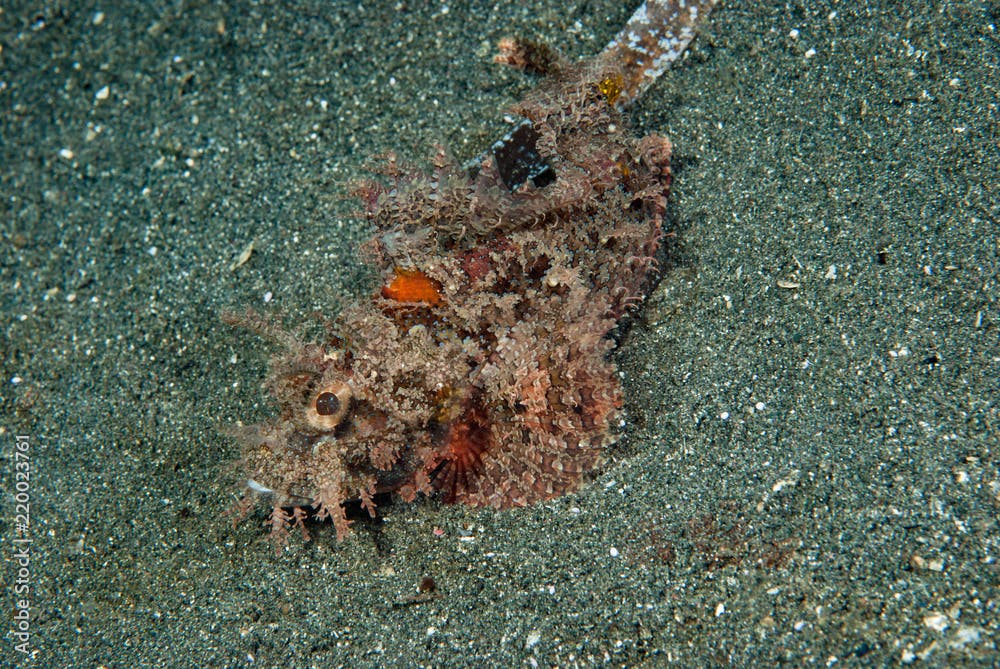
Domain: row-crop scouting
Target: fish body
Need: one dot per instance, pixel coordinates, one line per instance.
(479, 370)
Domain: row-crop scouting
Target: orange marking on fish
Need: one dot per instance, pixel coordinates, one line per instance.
(412, 285)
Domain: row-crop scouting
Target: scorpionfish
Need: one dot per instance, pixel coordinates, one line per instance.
(478, 370)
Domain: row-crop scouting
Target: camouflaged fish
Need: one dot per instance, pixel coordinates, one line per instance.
(479, 369)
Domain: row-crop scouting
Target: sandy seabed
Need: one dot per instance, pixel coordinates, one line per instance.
(809, 471)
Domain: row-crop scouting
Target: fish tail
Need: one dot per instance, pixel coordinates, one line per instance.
(651, 41)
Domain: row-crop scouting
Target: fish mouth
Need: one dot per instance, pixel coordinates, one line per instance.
(258, 488)
(281, 500)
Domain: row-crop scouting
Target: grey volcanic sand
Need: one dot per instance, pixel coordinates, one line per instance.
(809, 469)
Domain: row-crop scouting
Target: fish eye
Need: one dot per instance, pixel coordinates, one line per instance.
(329, 406)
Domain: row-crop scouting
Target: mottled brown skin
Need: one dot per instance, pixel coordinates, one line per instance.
(479, 369)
